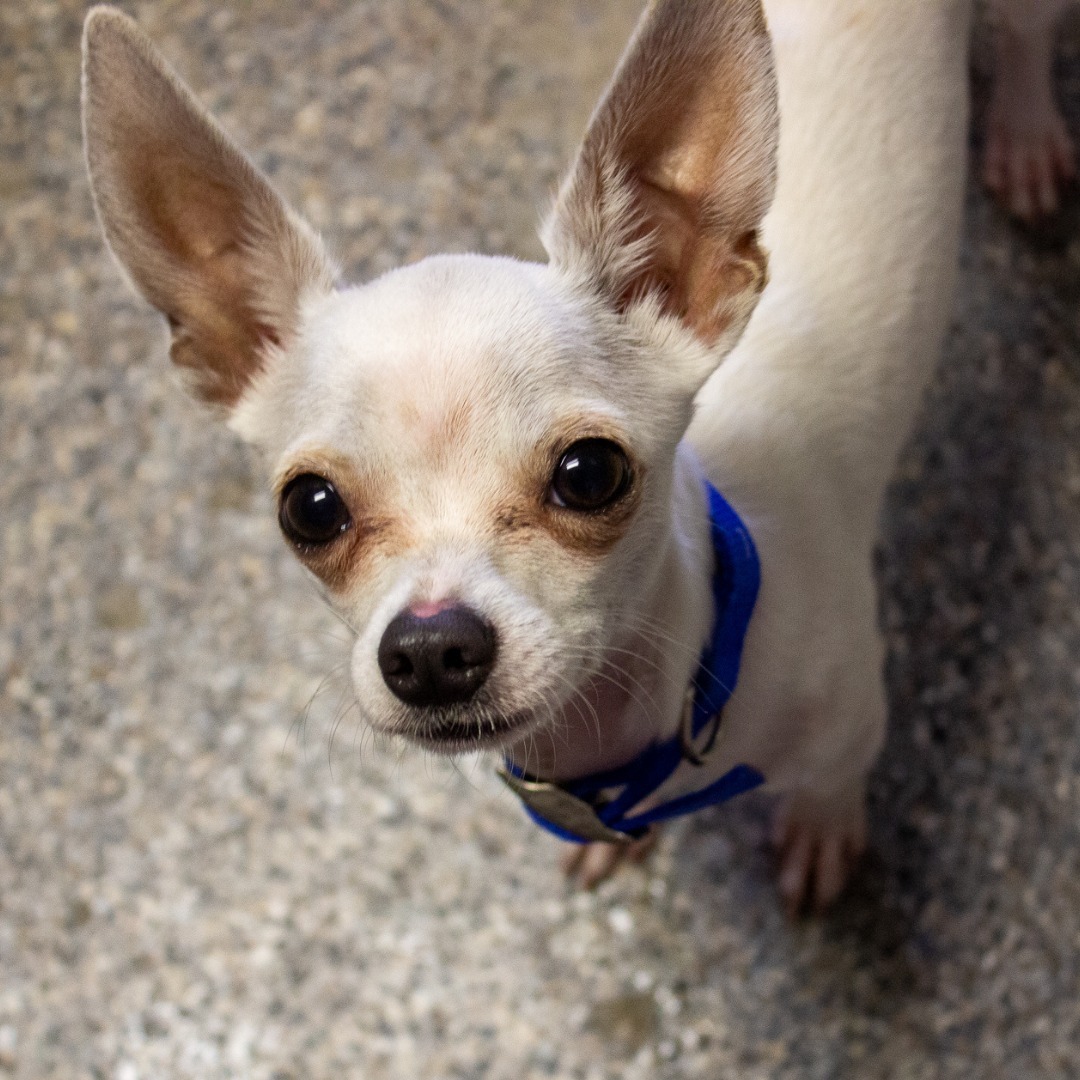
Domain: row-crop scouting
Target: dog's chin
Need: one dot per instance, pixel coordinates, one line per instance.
(462, 732)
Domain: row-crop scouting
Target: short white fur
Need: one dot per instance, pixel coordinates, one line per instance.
(436, 388)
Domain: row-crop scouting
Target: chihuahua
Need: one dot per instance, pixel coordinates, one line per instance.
(612, 516)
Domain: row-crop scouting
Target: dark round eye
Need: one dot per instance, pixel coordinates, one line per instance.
(312, 512)
(591, 475)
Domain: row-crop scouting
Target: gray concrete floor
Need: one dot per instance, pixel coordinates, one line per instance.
(207, 871)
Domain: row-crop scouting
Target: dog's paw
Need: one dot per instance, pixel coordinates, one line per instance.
(589, 864)
(1029, 156)
(819, 840)
(1027, 166)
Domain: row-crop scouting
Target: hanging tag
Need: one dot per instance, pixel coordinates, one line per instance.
(558, 806)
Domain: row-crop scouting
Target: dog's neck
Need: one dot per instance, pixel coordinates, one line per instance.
(637, 695)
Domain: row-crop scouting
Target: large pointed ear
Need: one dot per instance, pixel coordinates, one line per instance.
(677, 169)
(200, 231)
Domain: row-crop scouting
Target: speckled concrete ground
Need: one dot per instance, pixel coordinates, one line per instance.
(206, 872)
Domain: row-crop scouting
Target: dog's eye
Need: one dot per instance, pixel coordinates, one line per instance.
(591, 475)
(312, 512)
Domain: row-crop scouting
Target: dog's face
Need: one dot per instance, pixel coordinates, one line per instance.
(474, 456)
(476, 464)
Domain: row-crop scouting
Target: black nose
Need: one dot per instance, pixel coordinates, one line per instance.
(438, 660)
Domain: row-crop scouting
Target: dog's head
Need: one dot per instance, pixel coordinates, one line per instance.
(474, 456)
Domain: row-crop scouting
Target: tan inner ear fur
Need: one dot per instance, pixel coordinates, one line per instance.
(201, 232)
(700, 273)
(677, 168)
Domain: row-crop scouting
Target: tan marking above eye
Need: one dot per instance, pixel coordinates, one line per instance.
(335, 467)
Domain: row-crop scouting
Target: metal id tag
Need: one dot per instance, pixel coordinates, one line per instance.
(561, 808)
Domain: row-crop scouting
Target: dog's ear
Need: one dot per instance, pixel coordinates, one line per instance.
(677, 169)
(199, 229)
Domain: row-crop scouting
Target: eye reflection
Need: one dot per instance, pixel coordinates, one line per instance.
(312, 512)
(591, 475)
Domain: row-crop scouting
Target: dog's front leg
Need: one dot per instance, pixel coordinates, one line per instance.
(589, 864)
(819, 825)
(819, 839)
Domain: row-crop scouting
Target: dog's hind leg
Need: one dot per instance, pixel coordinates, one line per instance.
(1029, 155)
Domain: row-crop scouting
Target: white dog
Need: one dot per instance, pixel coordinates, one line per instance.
(564, 506)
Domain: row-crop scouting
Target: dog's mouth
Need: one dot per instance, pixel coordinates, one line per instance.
(460, 734)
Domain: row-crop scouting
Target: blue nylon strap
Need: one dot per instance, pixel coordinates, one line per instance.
(735, 583)
(735, 781)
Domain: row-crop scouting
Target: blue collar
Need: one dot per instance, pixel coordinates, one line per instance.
(597, 807)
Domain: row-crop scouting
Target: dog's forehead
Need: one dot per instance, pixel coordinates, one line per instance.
(498, 334)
